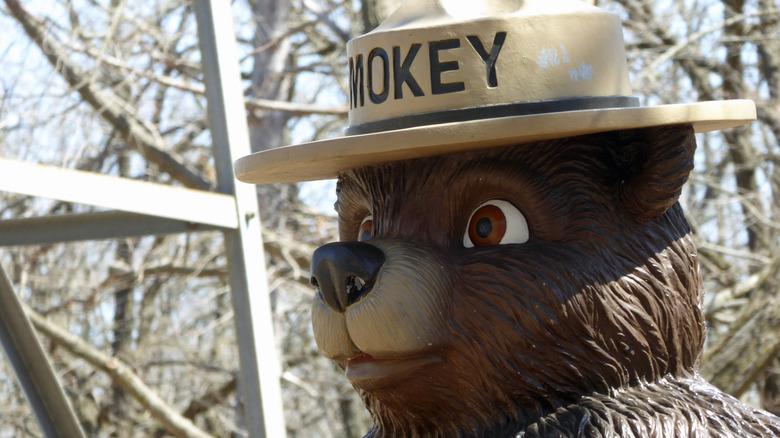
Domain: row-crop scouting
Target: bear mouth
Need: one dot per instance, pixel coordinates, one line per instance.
(369, 372)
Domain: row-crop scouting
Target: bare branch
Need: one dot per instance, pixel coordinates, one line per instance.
(255, 104)
(753, 342)
(121, 374)
(110, 108)
(205, 402)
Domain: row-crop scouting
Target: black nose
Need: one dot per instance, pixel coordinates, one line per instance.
(345, 271)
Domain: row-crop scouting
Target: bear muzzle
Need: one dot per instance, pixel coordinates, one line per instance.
(387, 299)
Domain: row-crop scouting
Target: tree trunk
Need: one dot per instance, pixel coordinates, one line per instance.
(374, 12)
(271, 80)
(123, 309)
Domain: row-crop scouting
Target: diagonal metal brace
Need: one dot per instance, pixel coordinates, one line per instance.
(32, 369)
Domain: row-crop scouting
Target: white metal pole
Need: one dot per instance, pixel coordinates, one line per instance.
(260, 364)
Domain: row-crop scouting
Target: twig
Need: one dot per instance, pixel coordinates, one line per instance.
(132, 130)
(121, 374)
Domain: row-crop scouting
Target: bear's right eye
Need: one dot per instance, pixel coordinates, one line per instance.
(366, 229)
(495, 222)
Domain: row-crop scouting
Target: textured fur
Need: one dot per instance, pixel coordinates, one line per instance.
(592, 328)
(666, 408)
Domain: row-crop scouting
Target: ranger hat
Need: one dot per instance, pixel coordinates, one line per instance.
(442, 76)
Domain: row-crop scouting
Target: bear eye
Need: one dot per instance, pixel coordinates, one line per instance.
(366, 229)
(495, 222)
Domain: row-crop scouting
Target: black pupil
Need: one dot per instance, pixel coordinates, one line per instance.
(484, 227)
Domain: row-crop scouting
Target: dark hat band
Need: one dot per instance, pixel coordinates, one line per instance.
(494, 111)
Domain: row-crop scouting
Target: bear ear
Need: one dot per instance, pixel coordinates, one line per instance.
(652, 165)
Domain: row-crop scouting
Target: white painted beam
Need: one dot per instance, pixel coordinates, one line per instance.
(90, 226)
(123, 194)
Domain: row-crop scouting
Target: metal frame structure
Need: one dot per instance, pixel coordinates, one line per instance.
(140, 209)
(28, 360)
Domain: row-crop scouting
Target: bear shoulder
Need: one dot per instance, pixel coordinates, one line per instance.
(682, 408)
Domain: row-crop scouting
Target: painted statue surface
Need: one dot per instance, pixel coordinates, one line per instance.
(513, 261)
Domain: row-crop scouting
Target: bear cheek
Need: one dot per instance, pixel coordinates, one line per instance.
(330, 332)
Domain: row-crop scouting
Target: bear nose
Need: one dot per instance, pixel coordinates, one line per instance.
(345, 271)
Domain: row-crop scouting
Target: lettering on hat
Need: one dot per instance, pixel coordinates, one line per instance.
(401, 71)
(378, 67)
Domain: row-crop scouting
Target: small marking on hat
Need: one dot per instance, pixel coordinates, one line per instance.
(565, 55)
(584, 72)
(548, 57)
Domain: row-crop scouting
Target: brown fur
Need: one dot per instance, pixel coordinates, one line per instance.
(592, 328)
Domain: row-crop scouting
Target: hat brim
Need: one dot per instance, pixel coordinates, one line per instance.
(324, 159)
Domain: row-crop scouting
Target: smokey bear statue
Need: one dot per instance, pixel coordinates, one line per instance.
(513, 260)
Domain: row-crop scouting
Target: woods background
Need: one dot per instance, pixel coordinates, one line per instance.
(115, 86)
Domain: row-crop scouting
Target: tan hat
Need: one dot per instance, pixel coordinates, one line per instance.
(443, 76)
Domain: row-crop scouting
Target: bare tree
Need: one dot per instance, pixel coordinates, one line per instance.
(141, 330)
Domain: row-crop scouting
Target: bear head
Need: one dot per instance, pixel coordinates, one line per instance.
(473, 293)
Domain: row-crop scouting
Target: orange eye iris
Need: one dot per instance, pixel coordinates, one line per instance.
(366, 229)
(495, 222)
(487, 226)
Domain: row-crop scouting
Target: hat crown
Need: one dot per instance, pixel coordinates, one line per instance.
(428, 11)
(444, 76)
(432, 57)
(422, 13)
